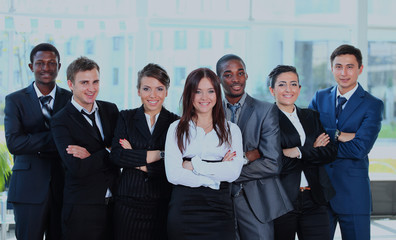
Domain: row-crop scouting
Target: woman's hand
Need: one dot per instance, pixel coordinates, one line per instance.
(291, 152)
(187, 165)
(125, 144)
(322, 140)
(142, 168)
(229, 156)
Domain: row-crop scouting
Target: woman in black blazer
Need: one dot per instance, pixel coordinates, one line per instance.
(143, 192)
(306, 148)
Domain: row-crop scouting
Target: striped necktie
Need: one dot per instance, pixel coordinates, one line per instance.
(46, 109)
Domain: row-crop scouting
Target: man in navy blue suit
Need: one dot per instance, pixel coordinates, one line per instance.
(37, 180)
(352, 118)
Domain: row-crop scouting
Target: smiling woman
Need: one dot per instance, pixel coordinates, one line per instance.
(143, 193)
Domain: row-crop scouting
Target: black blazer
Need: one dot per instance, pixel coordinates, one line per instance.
(312, 158)
(37, 165)
(86, 180)
(132, 125)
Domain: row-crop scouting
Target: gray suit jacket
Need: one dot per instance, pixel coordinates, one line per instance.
(259, 125)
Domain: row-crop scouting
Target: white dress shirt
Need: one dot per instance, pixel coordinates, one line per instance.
(202, 146)
(347, 95)
(52, 94)
(148, 120)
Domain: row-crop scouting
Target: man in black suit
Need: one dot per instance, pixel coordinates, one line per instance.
(37, 180)
(83, 131)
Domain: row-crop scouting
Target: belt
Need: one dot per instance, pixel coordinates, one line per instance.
(205, 160)
(302, 189)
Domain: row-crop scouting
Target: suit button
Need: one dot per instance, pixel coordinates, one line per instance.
(331, 165)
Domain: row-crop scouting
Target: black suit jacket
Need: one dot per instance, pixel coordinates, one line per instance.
(86, 180)
(37, 165)
(312, 158)
(132, 125)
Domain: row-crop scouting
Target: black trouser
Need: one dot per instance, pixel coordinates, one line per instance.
(309, 220)
(33, 221)
(85, 222)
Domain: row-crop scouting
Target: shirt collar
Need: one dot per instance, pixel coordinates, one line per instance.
(80, 108)
(241, 101)
(349, 94)
(292, 115)
(39, 94)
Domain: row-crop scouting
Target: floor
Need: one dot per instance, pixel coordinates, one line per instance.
(381, 228)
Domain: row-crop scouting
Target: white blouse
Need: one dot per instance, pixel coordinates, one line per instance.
(202, 146)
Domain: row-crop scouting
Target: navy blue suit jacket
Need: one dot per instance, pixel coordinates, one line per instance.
(362, 115)
(37, 165)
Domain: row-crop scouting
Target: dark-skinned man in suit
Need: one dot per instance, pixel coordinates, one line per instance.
(257, 194)
(83, 131)
(37, 180)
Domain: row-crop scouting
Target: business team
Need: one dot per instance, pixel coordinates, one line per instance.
(66, 177)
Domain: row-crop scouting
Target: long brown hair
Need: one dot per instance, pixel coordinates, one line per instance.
(218, 118)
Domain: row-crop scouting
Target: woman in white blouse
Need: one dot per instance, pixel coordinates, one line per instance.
(203, 154)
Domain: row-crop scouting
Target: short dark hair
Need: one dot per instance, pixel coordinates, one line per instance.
(81, 64)
(278, 70)
(154, 71)
(226, 58)
(44, 47)
(347, 49)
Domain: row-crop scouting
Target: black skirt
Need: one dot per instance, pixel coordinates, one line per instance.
(201, 213)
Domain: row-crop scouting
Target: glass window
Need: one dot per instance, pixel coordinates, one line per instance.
(180, 39)
(89, 47)
(115, 76)
(205, 39)
(179, 76)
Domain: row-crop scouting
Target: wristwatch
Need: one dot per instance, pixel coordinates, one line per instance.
(337, 134)
(162, 154)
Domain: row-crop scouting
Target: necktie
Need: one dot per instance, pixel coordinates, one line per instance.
(341, 102)
(94, 125)
(233, 109)
(46, 109)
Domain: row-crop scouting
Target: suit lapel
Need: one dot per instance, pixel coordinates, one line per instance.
(80, 120)
(33, 103)
(161, 124)
(59, 99)
(292, 137)
(246, 112)
(333, 95)
(352, 104)
(141, 123)
(104, 120)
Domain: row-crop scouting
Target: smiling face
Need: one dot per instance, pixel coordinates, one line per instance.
(286, 91)
(346, 71)
(233, 79)
(85, 88)
(152, 93)
(45, 67)
(205, 97)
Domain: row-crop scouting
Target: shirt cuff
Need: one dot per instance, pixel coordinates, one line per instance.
(300, 154)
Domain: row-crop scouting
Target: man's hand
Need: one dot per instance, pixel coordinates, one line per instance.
(346, 137)
(252, 155)
(77, 151)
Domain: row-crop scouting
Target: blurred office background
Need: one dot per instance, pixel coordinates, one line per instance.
(182, 35)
